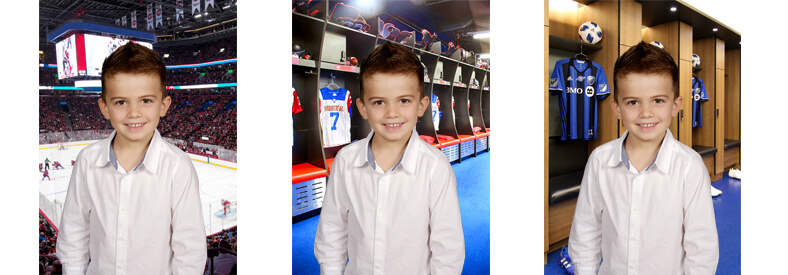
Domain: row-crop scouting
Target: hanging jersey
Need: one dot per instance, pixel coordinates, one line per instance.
(335, 116)
(436, 113)
(698, 95)
(296, 109)
(579, 85)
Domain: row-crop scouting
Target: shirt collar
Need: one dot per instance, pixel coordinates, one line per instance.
(150, 160)
(661, 160)
(408, 159)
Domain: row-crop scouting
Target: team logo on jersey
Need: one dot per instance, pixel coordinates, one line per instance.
(581, 78)
(570, 90)
(554, 82)
(589, 91)
(569, 78)
(591, 80)
(603, 88)
(697, 97)
(697, 90)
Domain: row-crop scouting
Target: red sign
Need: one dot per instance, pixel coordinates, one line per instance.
(295, 60)
(345, 68)
(442, 82)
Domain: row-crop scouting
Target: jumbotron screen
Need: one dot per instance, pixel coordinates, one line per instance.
(83, 54)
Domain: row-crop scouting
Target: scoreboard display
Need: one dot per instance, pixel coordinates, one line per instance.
(83, 54)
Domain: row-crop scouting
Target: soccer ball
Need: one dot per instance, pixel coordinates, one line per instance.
(695, 60)
(656, 43)
(590, 32)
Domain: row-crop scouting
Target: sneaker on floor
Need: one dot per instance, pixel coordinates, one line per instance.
(715, 192)
(565, 261)
(734, 173)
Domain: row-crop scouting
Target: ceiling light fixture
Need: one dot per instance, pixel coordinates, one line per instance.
(672, 8)
(714, 29)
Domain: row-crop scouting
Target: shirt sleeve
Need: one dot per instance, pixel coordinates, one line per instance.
(701, 245)
(332, 228)
(188, 229)
(74, 236)
(585, 237)
(703, 95)
(556, 84)
(447, 240)
(603, 90)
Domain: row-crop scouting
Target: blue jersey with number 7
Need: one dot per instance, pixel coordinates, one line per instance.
(335, 116)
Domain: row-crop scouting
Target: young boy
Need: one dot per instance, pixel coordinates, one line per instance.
(391, 202)
(645, 205)
(133, 203)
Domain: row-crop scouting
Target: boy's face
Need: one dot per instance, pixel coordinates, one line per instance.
(133, 106)
(645, 105)
(392, 105)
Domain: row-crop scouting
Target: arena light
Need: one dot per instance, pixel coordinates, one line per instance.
(166, 55)
(481, 35)
(221, 50)
(40, 52)
(198, 16)
(205, 138)
(87, 83)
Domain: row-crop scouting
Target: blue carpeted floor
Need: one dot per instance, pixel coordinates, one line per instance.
(473, 191)
(727, 209)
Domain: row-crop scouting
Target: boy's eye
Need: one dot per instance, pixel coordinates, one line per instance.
(147, 100)
(659, 100)
(404, 100)
(633, 102)
(377, 102)
(120, 102)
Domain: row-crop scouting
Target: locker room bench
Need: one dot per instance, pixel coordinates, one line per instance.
(731, 154)
(707, 153)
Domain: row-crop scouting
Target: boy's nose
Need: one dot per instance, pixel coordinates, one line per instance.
(392, 111)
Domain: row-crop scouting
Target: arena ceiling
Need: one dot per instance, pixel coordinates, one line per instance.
(53, 13)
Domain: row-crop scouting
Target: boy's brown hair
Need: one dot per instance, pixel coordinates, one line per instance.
(645, 58)
(392, 58)
(133, 58)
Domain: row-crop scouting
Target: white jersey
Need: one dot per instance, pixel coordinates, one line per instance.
(335, 116)
(436, 113)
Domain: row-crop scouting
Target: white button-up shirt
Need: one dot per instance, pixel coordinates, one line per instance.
(657, 221)
(402, 221)
(146, 221)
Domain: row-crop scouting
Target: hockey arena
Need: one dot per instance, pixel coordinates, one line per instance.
(198, 44)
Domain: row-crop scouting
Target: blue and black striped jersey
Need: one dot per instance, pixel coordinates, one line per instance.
(579, 85)
(698, 95)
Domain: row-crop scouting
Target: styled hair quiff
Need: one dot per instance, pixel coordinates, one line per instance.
(645, 58)
(392, 58)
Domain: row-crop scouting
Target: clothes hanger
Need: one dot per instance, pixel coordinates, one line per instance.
(581, 54)
(332, 85)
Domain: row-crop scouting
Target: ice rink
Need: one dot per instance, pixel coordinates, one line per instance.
(216, 183)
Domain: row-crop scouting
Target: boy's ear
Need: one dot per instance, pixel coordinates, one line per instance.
(615, 107)
(103, 108)
(423, 103)
(165, 105)
(361, 107)
(677, 105)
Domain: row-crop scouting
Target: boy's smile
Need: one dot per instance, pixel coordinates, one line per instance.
(646, 106)
(133, 106)
(392, 106)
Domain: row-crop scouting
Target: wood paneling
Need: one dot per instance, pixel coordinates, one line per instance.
(604, 13)
(684, 125)
(685, 41)
(561, 215)
(563, 21)
(731, 157)
(621, 129)
(704, 135)
(733, 94)
(720, 129)
(546, 13)
(720, 47)
(667, 34)
(708, 160)
(631, 22)
(546, 96)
